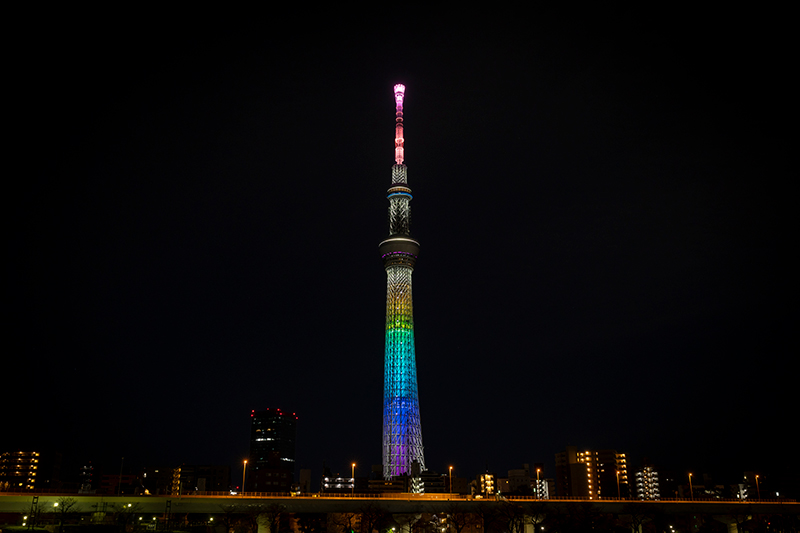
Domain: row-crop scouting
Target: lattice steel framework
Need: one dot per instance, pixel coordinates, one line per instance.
(402, 432)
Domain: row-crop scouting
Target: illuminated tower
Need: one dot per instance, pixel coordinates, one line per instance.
(402, 432)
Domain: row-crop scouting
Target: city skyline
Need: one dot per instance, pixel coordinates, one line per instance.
(600, 205)
(579, 473)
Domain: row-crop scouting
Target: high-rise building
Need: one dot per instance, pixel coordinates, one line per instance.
(402, 432)
(22, 471)
(486, 484)
(517, 482)
(186, 479)
(18, 471)
(749, 488)
(593, 474)
(272, 443)
(647, 486)
(541, 488)
(571, 478)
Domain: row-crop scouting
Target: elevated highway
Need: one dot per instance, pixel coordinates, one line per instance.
(214, 504)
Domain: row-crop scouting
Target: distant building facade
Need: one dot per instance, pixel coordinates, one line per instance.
(337, 484)
(460, 485)
(526, 481)
(186, 479)
(116, 484)
(748, 489)
(23, 471)
(485, 485)
(432, 482)
(519, 480)
(18, 471)
(646, 483)
(271, 466)
(86, 477)
(591, 474)
(541, 488)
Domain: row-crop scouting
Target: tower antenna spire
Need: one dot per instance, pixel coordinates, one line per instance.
(399, 94)
(402, 431)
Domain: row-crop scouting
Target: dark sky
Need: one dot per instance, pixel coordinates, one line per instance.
(601, 201)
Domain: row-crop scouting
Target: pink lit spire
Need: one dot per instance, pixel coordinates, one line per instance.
(399, 94)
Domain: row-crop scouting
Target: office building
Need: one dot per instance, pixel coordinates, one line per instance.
(591, 474)
(646, 483)
(271, 466)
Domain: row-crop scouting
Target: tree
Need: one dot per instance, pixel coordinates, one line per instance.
(458, 519)
(125, 513)
(312, 522)
(65, 508)
(742, 515)
(535, 513)
(271, 516)
(36, 512)
(343, 522)
(230, 516)
(511, 517)
(486, 516)
(410, 522)
(250, 518)
(372, 518)
(639, 515)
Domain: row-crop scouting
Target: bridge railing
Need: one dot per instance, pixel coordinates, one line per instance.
(394, 496)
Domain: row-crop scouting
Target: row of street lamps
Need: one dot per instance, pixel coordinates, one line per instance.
(353, 476)
(691, 490)
(450, 475)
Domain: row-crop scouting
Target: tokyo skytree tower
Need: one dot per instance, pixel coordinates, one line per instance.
(402, 432)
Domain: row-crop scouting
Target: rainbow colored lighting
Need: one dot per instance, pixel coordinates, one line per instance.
(402, 432)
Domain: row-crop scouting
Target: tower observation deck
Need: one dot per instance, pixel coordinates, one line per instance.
(402, 432)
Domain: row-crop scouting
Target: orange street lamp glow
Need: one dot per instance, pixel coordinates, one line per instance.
(244, 473)
(451, 480)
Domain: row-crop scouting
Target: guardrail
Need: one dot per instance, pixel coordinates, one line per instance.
(393, 496)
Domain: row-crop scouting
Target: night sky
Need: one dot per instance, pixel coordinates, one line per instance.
(602, 204)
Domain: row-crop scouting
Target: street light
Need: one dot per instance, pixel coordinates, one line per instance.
(244, 473)
(758, 489)
(619, 496)
(451, 480)
(691, 492)
(353, 476)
